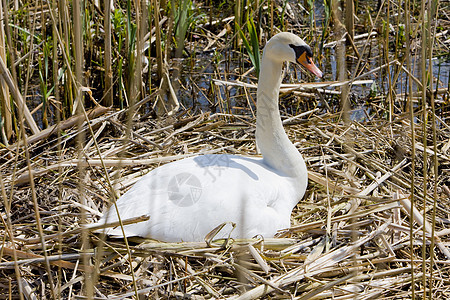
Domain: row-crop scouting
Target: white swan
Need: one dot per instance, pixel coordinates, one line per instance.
(186, 199)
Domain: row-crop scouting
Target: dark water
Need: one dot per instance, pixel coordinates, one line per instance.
(198, 92)
(201, 94)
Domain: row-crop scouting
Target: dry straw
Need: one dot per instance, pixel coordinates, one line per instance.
(374, 221)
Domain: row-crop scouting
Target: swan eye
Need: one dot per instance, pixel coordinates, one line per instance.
(301, 49)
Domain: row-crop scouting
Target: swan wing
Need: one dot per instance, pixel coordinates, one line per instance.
(186, 199)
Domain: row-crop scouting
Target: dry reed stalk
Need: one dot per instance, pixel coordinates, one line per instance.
(98, 111)
(32, 20)
(341, 59)
(159, 55)
(136, 76)
(271, 17)
(35, 203)
(423, 68)
(109, 91)
(237, 22)
(59, 117)
(94, 275)
(8, 228)
(85, 245)
(77, 17)
(350, 19)
(5, 103)
(65, 32)
(435, 239)
(55, 67)
(21, 105)
(390, 94)
(410, 107)
(9, 37)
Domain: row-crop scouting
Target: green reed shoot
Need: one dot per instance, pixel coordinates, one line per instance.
(251, 46)
(181, 23)
(185, 17)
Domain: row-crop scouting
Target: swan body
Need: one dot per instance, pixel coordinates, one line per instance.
(187, 199)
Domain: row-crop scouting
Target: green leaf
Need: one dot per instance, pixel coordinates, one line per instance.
(255, 44)
(253, 49)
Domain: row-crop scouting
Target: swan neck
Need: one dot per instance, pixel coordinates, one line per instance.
(277, 150)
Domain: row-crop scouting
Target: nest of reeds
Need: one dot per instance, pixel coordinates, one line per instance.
(358, 229)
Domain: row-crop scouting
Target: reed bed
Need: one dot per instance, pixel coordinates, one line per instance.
(350, 234)
(374, 222)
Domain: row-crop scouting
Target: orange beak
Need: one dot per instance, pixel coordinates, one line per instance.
(308, 64)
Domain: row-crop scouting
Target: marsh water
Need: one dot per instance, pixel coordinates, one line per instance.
(199, 68)
(226, 63)
(198, 81)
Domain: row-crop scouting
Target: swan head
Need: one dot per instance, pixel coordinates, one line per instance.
(286, 46)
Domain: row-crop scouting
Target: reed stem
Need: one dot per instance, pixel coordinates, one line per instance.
(109, 91)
